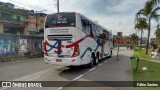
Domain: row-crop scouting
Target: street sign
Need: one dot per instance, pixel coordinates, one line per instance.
(119, 34)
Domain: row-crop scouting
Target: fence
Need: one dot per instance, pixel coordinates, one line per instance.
(16, 46)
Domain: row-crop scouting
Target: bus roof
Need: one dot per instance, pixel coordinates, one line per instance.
(86, 18)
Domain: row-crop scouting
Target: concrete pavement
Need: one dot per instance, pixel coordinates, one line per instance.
(109, 69)
(15, 69)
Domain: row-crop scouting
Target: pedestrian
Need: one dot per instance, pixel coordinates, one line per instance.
(127, 47)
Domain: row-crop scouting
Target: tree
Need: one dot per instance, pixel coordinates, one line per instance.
(141, 24)
(133, 37)
(150, 12)
(158, 35)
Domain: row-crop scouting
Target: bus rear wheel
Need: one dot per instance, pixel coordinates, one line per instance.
(96, 59)
(110, 54)
(92, 59)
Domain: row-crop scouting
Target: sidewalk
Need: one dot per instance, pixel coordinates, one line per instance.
(18, 58)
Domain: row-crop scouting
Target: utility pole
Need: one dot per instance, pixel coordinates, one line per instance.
(58, 6)
(36, 22)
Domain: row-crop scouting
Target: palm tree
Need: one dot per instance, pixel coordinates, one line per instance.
(141, 24)
(158, 35)
(150, 12)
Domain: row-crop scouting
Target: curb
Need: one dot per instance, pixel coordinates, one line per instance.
(156, 61)
(18, 58)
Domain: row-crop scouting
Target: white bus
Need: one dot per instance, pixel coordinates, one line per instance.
(71, 39)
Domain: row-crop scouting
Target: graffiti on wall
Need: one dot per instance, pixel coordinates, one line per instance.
(20, 45)
(7, 48)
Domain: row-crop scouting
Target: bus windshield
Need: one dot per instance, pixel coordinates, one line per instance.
(60, 20)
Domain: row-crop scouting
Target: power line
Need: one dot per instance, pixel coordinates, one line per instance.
(31, 6)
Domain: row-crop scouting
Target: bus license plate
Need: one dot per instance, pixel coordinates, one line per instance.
(58, 60)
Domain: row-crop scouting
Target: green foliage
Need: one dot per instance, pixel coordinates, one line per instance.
(153, 74)
(136, 49)
(148, 8)
(141, 54)
(133, 37)
(149, 12)
(158, 35)
(141, 23)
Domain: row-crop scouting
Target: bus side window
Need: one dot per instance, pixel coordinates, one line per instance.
(94, 29)
(86, 27)
(84, 23)
(109, 37)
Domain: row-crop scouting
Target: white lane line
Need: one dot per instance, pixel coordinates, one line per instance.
(92, 69)
(99, 64)
(33, 78)
(78, 77)
(60, 88)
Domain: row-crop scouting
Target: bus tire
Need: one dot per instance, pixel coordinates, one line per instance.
(110, 54)
(72, 67)
(96, 59)
(92, 59)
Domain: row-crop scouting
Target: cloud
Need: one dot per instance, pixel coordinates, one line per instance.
(124, 6)
(116, 24)
(115, 15)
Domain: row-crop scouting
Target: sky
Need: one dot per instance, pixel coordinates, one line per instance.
(115, 15)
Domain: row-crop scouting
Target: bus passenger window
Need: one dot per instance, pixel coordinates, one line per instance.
(84, 23)
(86, 27)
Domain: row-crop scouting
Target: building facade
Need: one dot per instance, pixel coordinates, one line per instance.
(13, 21)
(36, 23)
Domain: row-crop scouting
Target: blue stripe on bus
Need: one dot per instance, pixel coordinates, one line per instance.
(88, 49)
(106, 54)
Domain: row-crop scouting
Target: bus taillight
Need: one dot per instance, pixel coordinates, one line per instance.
(76, 51)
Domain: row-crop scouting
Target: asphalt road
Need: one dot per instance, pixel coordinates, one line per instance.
(109, 69)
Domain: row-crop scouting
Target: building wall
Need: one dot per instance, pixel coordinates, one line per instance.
(41, 21)
(32, 23)
(14, 14)
(13, 46)
(22, 17)
(11, 22)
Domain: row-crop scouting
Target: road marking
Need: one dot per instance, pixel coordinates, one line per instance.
(60, 88)
(33, 78)
(78, 77)
(92, 69)
(99, 64)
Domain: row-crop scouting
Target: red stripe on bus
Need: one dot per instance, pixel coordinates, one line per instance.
(77, 42)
